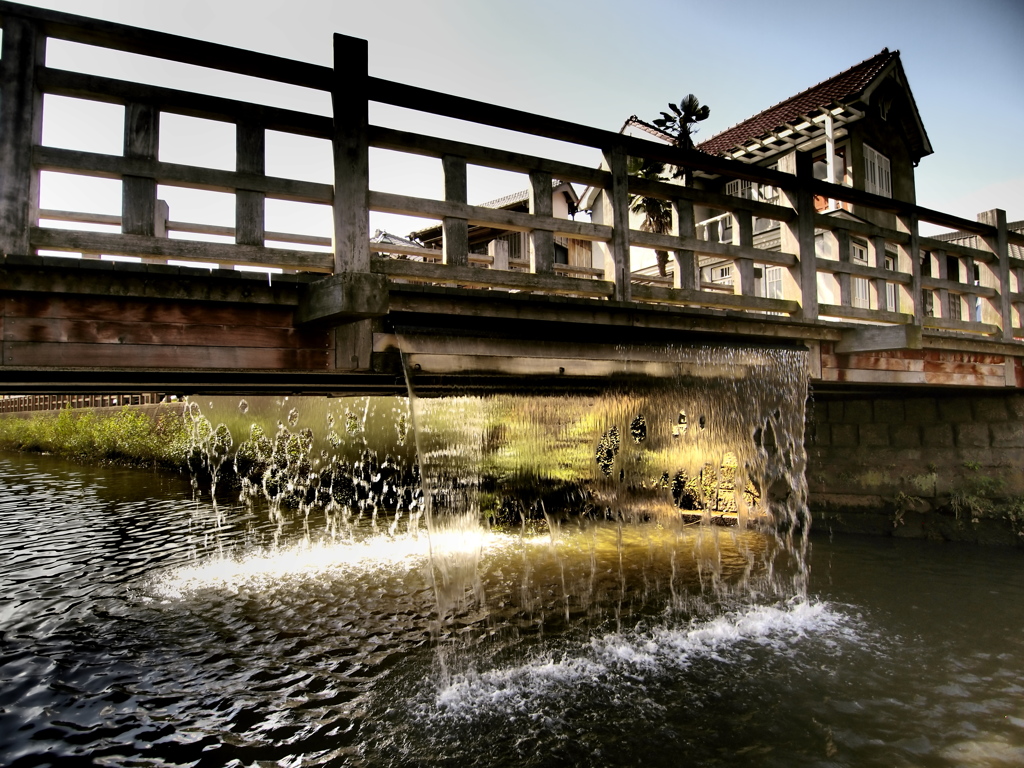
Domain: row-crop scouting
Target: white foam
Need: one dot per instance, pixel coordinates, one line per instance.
(621, 660)
(313, 560)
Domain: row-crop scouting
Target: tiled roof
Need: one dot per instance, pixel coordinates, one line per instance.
(845, 86)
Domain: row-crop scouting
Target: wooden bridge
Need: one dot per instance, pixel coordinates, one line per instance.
(335, 321)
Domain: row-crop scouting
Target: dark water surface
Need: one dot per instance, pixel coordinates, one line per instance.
(137, 629)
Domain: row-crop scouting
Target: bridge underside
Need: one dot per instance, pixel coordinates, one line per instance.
(73, 326)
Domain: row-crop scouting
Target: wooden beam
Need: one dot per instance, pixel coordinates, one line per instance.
(798, 235)
(861, 313)
(93, 87)
(661, 295)
(686, 274)
(879, 338)
(499, 218)
(343, 298)
(430, 146)
(114, 167)
(497, 278)
(179, 250)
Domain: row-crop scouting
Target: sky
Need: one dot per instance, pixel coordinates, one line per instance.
(595, 63)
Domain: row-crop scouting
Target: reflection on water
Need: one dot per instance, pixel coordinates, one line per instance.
(137, 629)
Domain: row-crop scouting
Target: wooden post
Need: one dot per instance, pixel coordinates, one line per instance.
(138, 193)
(21, 128)
(911, 257)
(455, 242)
(250, 157)
(942, 295)
(843, 253)
(1000, 272)
(798, 235)
(743, 234)
(879, 285)
(687, 272)
(542, 241)
(616, 202)
(350, 99)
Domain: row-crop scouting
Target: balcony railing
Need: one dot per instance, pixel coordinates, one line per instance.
(26, 79)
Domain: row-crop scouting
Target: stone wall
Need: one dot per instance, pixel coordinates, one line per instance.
(935, 467)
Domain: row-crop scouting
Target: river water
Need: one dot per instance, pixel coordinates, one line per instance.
(140, 627)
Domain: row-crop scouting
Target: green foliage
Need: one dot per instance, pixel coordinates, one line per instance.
(129, 436)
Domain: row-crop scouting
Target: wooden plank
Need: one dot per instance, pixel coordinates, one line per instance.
(861, 270)
(138, 193)
(870, 339)
(472, 276)
(114, 167)
(998, 243)
(250, 158)
(77, 85)
(962, 251)
(81, 217)
(710, 248)
(350, 95)
(21, 121)
(961, 325)
(955, 286)
(136, 310)
(129, 356)
(430, 146)
(187, 50)
(667, 190)
(386, 202)
(88, 331)
(862, 313)
(863, 228)
(181, 250)
(911, 254)
(659, 294)
(455, 229)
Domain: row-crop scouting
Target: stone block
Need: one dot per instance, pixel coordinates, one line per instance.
(889, 411)
(920, 410)
(1015, 405)
(835, 411)
(955, 410)
(990, 409)
(844, 435)
(937, 436)
(874, 435)
(1008, 435)
(972, 435)
(857, 412)
(905, 436)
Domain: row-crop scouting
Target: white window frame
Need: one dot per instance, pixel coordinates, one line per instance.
(877, 173)
(859, 288)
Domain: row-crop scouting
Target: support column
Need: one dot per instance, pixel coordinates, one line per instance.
(455, 241)
(687, 271)
(542, 241)
(616, 203)
(911, 256)
(998, 244)
(138, 193)
(250, 206)
(350, 97)
(21, 128)
(798, 236)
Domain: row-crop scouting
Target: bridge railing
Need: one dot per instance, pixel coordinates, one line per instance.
(827, 266)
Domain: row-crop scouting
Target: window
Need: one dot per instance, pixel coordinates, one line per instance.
(859, 285)
(773, 282)
(877, 178)
(892, 301)
(722, 275)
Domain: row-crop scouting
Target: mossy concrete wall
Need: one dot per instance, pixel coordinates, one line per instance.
(930, 467)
